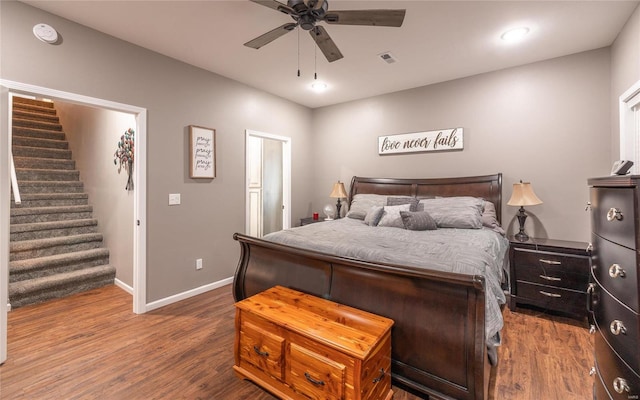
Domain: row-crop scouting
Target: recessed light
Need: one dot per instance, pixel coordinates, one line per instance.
(515, 35)
(319, 86)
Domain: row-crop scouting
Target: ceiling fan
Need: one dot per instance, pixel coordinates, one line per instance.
(307, 13)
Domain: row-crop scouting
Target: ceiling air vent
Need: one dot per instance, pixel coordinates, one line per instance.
(387, 57)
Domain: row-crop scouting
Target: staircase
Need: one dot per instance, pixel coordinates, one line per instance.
(55, 247)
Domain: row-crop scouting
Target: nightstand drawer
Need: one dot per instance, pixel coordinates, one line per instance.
(552, 269)
(552, 298)
(614, 267)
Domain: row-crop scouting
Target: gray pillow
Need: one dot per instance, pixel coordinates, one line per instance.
(373, 216)
(400, 200)
(362, 203)
(490, 218)
(391, 216)
(455, 212)
(418, 221)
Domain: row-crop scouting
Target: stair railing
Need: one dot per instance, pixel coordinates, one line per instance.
(14, 183)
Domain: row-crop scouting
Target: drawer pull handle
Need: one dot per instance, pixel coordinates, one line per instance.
(616, 271)
(550, 294)
(620, 385)
(550, 278)
(592, 329)
(380, 377)
(550, 262)
(592, 371)
(614, 214)
(314, 381)
(260, 353)
(617, 327)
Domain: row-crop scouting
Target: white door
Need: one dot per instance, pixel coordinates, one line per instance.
(268, 177)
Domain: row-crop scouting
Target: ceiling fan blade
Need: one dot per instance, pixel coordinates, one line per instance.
(270, 36)
(325, 43)
(276, 5)
(366, 17)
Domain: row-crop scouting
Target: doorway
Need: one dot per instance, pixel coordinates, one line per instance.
(268, 187)
(11, 88)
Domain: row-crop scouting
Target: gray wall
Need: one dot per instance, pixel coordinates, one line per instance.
(176, 95)
(547, 123)
(93, 135)
(625, 71)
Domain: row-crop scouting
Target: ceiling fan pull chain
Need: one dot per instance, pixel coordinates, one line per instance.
(315, 62)
(298, 29)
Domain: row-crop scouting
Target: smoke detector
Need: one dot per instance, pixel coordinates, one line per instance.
(46, 33)
(387, 57)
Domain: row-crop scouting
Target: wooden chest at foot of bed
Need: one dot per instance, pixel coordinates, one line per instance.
(298, 346)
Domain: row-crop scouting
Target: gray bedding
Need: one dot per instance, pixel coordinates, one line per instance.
(464, 251)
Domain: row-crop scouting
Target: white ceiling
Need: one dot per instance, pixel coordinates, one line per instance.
(439, 40)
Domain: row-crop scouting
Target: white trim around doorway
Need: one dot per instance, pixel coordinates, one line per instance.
(140, 212)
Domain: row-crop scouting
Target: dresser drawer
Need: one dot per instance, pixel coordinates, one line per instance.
(552, 269)
(621, 383)
(261, 348)
(613, 215)
(314, 375)
(618, 325)
(614, 267)
(552, 298)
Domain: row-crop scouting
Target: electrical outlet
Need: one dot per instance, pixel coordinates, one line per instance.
(199, 263)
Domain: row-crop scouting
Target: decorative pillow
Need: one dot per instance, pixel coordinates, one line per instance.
(400, 200)
(373, 216)
(455, 212)
(418, 221)
(490, 218)
(362, 203)
(391, 216)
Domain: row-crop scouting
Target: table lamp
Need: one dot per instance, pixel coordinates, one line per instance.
(523, 195)
(338, 192)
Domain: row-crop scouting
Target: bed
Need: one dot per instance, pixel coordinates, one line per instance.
(446, 328)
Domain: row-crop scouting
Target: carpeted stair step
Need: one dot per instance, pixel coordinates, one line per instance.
(27, 123)
(40, 152)
(35, 115)
(45, 266)
(37, 290)
(30, 200)
(48, 214)
(44, 230)
(50, 187)
(43, 163)
(37, 133)
(35, 108)
(37, 142)
(20, 101)
(26, 249)
(28, 174)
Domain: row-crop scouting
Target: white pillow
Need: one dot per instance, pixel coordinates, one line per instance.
(391, 216)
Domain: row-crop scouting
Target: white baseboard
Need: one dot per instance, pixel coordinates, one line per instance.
(185, 295)
(123, 286)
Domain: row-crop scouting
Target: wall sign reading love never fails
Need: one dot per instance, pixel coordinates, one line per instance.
(445, 139)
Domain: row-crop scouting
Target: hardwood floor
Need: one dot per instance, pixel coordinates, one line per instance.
(91, 346)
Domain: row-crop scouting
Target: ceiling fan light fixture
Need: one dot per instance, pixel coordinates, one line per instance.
(319, 86)
(515, 34)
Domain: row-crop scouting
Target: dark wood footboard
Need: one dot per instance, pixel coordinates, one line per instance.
(438, 339)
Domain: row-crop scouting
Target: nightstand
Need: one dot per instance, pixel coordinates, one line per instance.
(309, 220)
(550, 274)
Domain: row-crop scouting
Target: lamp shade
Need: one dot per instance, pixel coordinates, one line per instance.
(338, 191)
(523, 195)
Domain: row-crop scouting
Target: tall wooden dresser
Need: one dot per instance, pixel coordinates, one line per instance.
(613, 291)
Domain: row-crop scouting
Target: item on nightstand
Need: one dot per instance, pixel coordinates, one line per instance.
(338, 192)
(523, 195)
(329, 211)
(315, 216)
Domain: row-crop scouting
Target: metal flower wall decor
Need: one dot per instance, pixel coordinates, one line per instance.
(124, 155)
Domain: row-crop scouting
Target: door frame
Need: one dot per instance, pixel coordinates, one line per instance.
(8, 89)
(286, 178)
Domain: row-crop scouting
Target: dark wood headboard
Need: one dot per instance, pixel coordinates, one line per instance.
(488, 187)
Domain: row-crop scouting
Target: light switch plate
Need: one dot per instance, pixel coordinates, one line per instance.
(174, 199)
